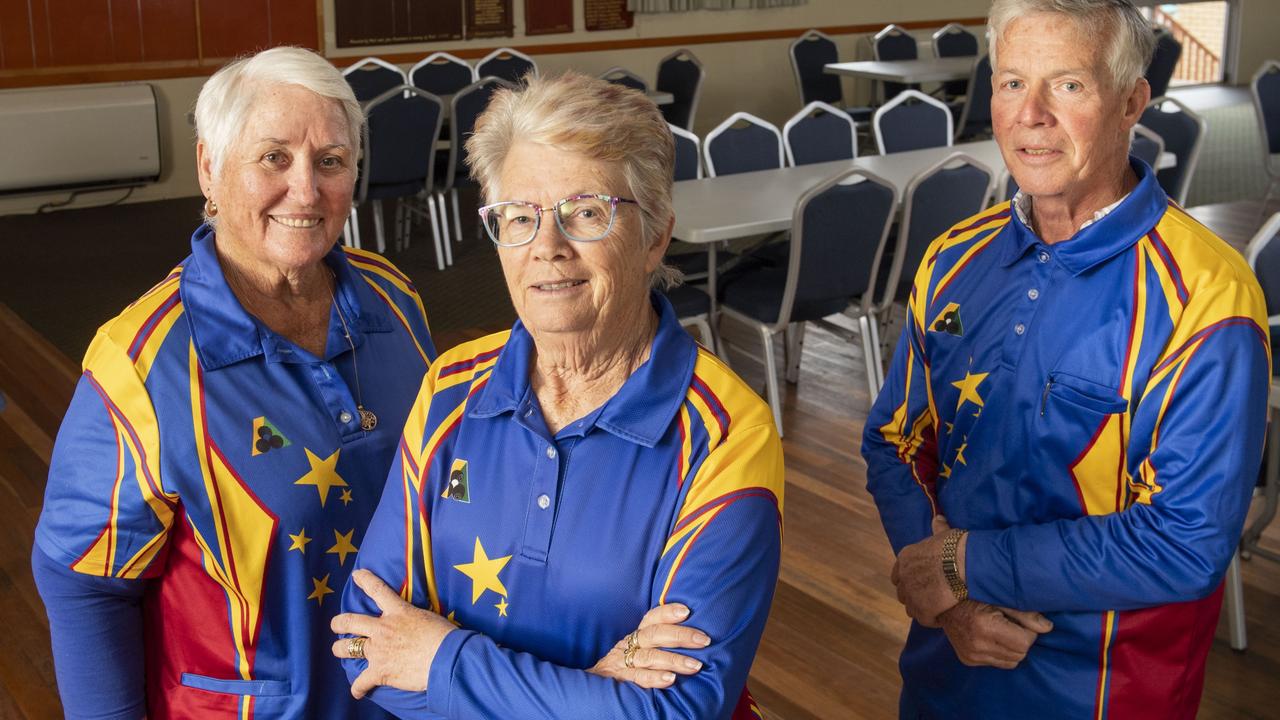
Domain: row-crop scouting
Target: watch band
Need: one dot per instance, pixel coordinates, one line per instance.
(950, 569)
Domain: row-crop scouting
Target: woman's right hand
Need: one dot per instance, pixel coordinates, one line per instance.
(650, 665)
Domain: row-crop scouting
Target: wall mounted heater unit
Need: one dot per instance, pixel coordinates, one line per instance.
(82, 137)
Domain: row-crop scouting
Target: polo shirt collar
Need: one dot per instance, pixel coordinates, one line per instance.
(1098, 241)
(224, 333)
(641, 410)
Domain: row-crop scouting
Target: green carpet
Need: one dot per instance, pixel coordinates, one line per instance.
(1230, 166)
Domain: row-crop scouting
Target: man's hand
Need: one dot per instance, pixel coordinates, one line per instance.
(652, 667)
(922, 586)
(984, 634)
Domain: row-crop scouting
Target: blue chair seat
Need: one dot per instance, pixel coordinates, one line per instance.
(688, 301)
(758, 294)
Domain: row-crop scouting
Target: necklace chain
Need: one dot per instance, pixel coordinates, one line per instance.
(368, 420)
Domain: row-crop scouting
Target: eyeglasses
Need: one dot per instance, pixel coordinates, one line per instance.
(582, 218)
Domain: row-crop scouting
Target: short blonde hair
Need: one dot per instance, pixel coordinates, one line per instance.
(226, 98)
(597, 119)
(1130, 41)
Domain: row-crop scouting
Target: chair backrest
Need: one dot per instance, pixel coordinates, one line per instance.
(466, 107)
(1265, 87)
(680, 74)
(912, 121)
(952, 40)
(1163, 61)
(1006, 187)
(975, 118)
(370, 77)
(1183, 134)
(688, 154)
(441, 74)
(742, 143)
(894, 43)
(809, 54)
(626, 78)
(400, 142)
(820, 133)
(936, 199)
(838, 233)
(1263, 255)
(1146, 145)
(507, 64)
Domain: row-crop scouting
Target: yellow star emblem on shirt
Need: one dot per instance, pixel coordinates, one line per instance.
(343, 546)
(323, 474)
(346, 497)
(969, 388)
(321, 589)
(484, 573)
(960, 453)
(300, 541)
(502, 608)
(945, 472)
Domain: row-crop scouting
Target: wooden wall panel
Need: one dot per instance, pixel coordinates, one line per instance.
(232, 27)
(294, 22)
(168, 30)
(79, 32)
(125, 31)
(16, 51)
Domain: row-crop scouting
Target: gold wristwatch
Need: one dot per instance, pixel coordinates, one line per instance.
(950, 569)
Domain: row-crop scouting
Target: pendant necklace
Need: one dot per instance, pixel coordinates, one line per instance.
(368, 420)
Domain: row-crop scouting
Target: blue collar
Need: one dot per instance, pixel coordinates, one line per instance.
(1129, 222)
(641, 410)
(224, 333)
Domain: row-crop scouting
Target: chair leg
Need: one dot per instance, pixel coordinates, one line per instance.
(771, 377)
(444, 228)
(795, 343)
(1233, 598)
(457, 216)
(346, 230)
(379, 232)
(869, 356)
(398, 244)
(435, 232)
(875, 351)
(355, 227)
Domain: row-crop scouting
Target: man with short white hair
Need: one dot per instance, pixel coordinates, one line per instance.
(1064, 450)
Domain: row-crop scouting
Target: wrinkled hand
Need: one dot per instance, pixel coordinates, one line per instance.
(655, 668)
(401, 643)
(917, 574)
(983, 634)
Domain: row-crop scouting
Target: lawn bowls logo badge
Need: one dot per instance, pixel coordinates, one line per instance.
(267, 437)
(948, 321)
(458, 487)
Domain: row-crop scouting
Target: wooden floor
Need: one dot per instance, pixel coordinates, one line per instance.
(831, 645)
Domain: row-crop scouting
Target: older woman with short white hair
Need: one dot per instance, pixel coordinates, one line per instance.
(568, 493)
(229, 437)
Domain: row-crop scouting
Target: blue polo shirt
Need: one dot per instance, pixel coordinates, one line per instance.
(1092, 411)
(218, 472)
(547, 549)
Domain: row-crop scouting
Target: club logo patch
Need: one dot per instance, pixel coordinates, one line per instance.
(458, 487)
(948, 321)
(267, 437)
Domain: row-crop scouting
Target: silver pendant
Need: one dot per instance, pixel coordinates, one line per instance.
(368, 420)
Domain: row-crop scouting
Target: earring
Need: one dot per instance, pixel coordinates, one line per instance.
(210, 207)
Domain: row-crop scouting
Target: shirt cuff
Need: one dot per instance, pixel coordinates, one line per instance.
(989, 568)
(443, 668)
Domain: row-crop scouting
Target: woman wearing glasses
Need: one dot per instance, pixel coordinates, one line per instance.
(584, 515)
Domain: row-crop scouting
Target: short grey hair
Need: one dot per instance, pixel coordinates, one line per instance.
(226, 98)
(1131, 40)
(595, 118)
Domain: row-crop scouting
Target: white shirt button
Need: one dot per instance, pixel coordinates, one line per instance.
(344, 417)
(1044, 256)
(1019, 329)
(1033, 293)
(551, 452)
(544, 502)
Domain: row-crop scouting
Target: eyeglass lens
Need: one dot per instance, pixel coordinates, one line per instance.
(584, 219)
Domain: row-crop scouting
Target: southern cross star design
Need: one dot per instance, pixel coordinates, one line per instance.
(300, 541)
(969, 389)
(321, 589)
(323, 474)
(484, 573)
(343, 547)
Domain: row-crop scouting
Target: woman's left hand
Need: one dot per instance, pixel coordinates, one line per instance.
(639, 658)
(399, 645)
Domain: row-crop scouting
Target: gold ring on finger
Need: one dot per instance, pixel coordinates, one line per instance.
(355, 647)
(629, 653)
